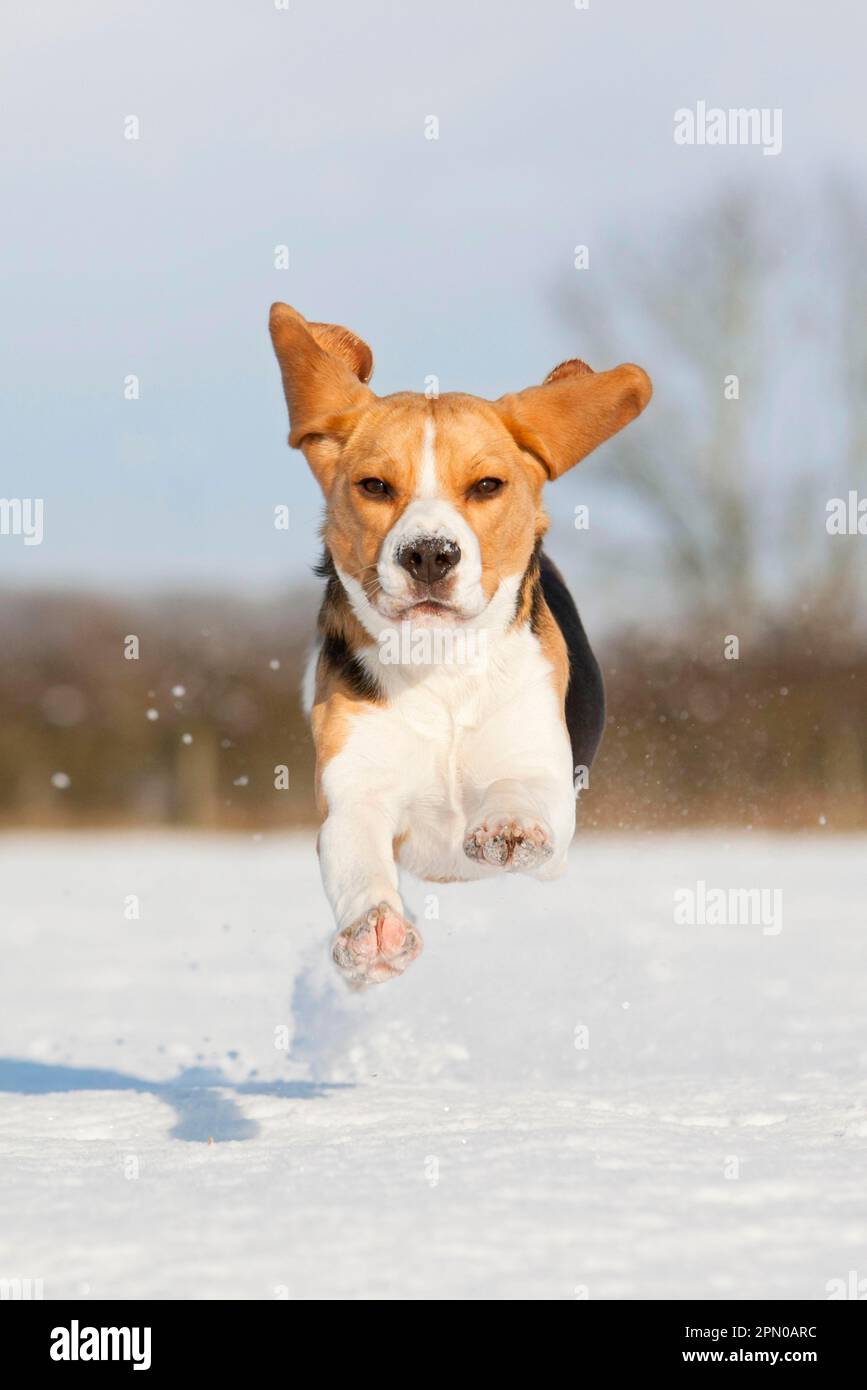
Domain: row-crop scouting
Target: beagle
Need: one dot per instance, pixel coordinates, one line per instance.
(453, 695)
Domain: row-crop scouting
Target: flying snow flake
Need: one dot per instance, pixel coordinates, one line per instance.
(274, 664)
(179, 691)
(61, 780)
(241, 782)
(186, 738)
(152, 714)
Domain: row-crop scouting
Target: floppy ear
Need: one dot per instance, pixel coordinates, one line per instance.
(324, 369)
(573, 411)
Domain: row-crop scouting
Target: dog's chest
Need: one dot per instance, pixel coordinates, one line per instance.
(440, 774)
(427, 755)
(444, 718)
(422, 739)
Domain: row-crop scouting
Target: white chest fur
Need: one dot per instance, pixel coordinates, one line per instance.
(426, 760)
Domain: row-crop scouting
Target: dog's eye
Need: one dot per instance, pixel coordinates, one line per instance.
(486, 487)
(375, 487)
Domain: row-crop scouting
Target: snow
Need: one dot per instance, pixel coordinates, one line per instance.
(441, 1136)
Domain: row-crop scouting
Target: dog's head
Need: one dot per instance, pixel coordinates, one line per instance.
(434, 506)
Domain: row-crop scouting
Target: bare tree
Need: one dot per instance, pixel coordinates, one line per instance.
(732, 486)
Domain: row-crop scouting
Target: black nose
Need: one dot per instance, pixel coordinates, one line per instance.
(429, 558)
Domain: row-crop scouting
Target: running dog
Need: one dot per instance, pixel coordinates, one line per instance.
(453, 695)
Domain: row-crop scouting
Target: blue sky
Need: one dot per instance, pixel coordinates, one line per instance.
(306, 127)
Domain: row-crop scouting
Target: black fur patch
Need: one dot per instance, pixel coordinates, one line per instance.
(585, 693)
(336, 655)
(324, 567)
(528, 604)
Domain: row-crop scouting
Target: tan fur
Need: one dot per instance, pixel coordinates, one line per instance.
(335, 705)
(574, 411)
(330, 721)
(349, 434)
(471, 443)
(554, 646)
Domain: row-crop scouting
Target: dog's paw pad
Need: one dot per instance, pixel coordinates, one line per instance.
(473, 847)
(509, 844)
(376, 947)
(531, 849)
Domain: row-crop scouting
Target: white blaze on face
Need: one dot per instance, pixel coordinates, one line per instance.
(431, 516)
(428, 483)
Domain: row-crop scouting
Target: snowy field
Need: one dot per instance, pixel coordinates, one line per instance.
(569, 1095)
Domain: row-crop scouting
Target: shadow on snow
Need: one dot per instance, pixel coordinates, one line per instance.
(197, 1094)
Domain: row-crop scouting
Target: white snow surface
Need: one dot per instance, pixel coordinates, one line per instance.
(441, 1136)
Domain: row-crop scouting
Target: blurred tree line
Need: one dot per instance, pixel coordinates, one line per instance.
(759, 418)
(176, 710)
(197, 730)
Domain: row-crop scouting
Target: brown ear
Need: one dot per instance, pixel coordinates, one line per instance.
(575, 410)
(324, 369)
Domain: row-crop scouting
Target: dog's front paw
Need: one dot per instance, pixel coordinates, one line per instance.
(378, 946)
(508, 843)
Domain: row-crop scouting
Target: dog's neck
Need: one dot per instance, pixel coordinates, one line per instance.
(398, 656)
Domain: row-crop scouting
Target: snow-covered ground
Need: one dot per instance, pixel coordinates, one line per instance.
(570, 1094)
